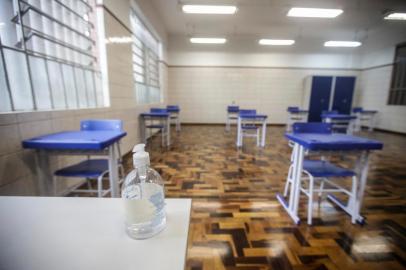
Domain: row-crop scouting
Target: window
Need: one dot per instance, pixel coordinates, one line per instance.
(397, 91)
(48, 55)
(145, 49)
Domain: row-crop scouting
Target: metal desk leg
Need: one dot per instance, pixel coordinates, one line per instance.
(364, 165)
(168, 131)
(350, 128)
(362, 173)
(263, 136)
(177, 123)
(239, 143)
(292, 206)
(371, 123)
(357, 122)
(44, 175)
(228, 122)
(113, 171)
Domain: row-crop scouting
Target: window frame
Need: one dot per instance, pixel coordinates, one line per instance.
(401, 100)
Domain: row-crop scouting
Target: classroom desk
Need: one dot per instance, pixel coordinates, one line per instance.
(365, 115)
(74, 143)
(261, 118)
(86, 233)
(340, 121)
(155, 116)
(295, 115)
(328, 144)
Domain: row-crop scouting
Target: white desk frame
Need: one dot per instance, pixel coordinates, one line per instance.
(365, 117)
(292, 205)
(261, 120)
(44, 176)
(294, 117)
(337, 123)
(231, 116)
(143, 123)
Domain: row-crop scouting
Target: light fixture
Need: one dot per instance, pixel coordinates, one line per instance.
(276, 42)
(333, 43)
(314, 12)
(206, 9)
(395, 16)
(208, 40)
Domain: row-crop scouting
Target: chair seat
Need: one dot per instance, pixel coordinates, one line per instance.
(91, 168)
(155, 126)
(320, 168)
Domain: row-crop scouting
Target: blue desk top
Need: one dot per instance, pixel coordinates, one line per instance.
(368, 111)
(253, 116)
(173, 110)
(298, 111)
(75, 140)
(150, 114)
(313, 141)
(338, 116)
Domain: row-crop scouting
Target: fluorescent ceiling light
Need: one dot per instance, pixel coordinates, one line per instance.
(208, 40)
(333, 43)
(395, 16)
(276, 42)
(206, 9)
(314, 12)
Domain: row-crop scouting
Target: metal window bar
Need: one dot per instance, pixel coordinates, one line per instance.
(36, 33)
(20, 20)
(40, 12)
(6, 77)
(74, 12)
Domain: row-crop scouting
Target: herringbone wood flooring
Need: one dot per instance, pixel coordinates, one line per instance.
(237, 223)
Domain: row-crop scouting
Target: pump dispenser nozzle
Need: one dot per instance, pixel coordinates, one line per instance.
(140, 157)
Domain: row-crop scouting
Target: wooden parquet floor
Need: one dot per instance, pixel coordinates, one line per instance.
(237, 223)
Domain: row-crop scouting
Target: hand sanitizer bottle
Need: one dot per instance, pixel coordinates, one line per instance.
(144, 199)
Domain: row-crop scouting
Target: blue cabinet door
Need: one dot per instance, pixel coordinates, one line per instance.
(319, 97)
(343, 93)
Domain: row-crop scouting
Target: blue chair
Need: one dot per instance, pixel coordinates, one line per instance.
(92, 169)
(158, 124)
(321, 171)
(174, 112)
(249, 127)
(232, 114)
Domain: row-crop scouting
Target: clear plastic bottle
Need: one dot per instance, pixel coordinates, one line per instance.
(143, 196)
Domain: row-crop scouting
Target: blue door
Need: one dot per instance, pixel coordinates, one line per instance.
(319, 97)
(344, 90)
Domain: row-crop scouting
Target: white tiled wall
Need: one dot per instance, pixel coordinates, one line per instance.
(17, 165)
(204, 92)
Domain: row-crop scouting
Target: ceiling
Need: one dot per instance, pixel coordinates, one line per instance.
(267, 19)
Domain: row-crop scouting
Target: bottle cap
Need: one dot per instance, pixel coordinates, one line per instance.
(140, 157)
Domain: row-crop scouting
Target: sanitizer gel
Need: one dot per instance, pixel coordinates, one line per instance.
(143, 196)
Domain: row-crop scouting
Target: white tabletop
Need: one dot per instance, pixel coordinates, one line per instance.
(86, 233)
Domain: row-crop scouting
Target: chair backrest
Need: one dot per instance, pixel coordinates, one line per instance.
(293, 109)
(248, 111)
(158, 110)
(101, 124)
(321, 128)
(357, 109)
(233, 108)
(329, 112)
